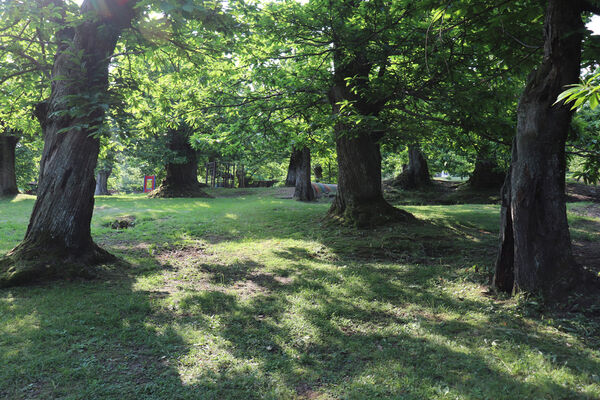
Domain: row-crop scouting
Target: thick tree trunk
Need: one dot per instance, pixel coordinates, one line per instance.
(295, 157)
(182, 178)
(535, 252)
(8, 177)
(416, 175)
(304, 190)
(359, 199)
(486, 174)
(102, 182)
(58, 242)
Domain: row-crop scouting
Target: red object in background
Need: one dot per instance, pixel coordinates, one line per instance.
(149, 183)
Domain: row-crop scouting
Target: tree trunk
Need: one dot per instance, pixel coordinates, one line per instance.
(359, 200)
(416, 175)
(8, 177)
(58, 242)
(486, 174)
(182, 178)
(102, 182)
(535, 251)
(318, 170)
(295, 157)
(304, 190)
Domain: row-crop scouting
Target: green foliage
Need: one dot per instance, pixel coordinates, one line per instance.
(582, 93)
(584, 145)
(27, 161)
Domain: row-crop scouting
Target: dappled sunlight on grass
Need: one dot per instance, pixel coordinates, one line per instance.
(256, 298)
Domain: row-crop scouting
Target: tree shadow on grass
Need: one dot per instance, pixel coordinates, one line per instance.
(377, 338)
(344, 321)
(353, 332)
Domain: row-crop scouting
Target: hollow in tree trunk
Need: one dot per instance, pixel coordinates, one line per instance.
(416, 175)
(58, 241)
(535, 253)
(102, 182)
(290, 180)
(8, 177)
(182, 178)
(304, 190)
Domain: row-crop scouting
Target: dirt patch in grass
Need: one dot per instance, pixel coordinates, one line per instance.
(580, 192)
(134, 247)
(447, 193)
(441, 193)
(187, 254)
(223, 193)
(592, 210)
(284, 193)
(587, 253)
(307, 392)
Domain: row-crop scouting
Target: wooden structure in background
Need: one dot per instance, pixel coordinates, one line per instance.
(224, 174)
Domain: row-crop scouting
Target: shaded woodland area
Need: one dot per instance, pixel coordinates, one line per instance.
(485, 110)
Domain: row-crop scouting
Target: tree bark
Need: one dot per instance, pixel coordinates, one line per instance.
(290, 180)
(535, 252)
(58, 242)
(359, 200)
(182, 177)
(102, 182)
(416, 175)
(304, 190)
(8, 177)
(486, 174)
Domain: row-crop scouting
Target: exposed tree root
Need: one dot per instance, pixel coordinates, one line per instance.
(367, 214)
(32, 262)
(178, 191)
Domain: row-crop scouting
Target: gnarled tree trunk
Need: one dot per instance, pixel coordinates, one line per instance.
(295, 157)
(535, 252)
(58, 242)
(182, 178)
(416, 175)
(102, 182)
(8, 177)
(304, 190)
(359, 200)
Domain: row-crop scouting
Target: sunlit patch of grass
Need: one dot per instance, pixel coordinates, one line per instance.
(254, 297)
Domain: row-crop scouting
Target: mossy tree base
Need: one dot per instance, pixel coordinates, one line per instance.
(367, 214)
(41, 261)
(179, 191)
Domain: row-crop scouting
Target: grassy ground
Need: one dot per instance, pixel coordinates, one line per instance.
(252, 297)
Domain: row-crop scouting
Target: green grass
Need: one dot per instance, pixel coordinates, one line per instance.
(253, 297)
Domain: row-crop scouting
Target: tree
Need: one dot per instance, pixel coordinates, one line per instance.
(303, 187)
(416, 175)
(486, 174)
(8, 178)
(58, 241)
(27, 38)
(181, 178)
(290, 179)
(535, 252)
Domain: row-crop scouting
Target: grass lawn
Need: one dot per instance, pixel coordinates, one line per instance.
(252, 297)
